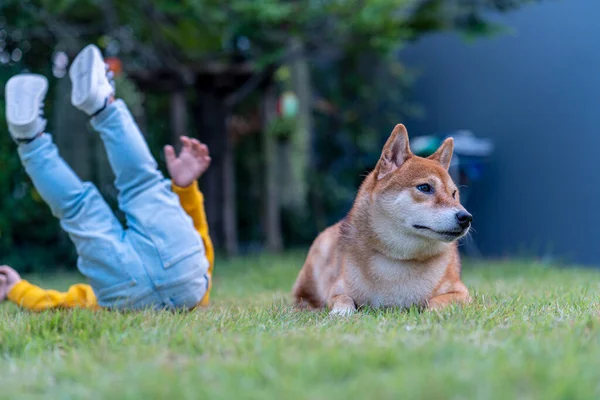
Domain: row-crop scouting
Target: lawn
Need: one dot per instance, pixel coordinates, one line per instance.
(533, 332)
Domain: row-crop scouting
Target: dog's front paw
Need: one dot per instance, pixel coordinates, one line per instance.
(341, 312)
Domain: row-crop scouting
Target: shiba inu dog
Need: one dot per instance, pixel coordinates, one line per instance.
(397, 247)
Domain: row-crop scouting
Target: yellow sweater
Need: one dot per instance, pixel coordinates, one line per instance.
(32, 297)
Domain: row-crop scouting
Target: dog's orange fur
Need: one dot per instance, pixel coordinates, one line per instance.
(376, 256)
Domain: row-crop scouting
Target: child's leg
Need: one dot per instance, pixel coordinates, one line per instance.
(128, 154)
(135, 169)
(83, 214)
(152, 210)
(82, 211)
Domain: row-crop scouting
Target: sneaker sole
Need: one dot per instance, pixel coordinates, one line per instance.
(82, 77)
(24, 96)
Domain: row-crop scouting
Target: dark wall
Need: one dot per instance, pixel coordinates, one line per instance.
(536, 93)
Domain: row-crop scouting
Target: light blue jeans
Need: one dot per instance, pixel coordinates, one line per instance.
(159, 261)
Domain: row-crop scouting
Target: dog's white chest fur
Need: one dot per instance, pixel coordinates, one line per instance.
(401, 284)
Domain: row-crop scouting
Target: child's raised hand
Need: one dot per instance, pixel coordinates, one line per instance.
(8, 278)
(192, 162)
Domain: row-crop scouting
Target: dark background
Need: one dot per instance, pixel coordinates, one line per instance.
(535, 92)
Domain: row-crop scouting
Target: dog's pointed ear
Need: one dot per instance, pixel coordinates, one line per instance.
(395, 152)
(443, 155)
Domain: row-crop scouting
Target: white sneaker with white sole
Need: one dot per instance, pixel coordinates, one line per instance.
(90, 78)
(24, 96)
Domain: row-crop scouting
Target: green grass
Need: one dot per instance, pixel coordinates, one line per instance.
(533, 332)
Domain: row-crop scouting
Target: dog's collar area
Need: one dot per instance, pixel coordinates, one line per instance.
(444, 233)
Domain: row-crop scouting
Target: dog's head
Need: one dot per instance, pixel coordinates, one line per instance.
(415, 196)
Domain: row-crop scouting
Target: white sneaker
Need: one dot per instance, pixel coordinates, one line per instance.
(91, 85)
(25, 95)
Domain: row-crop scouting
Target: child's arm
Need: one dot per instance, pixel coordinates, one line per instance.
(185, 170)
(32, 297)
(192, 202)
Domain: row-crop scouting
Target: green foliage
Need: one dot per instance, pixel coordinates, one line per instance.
(532, 332)
(164, 32)
(282, 127)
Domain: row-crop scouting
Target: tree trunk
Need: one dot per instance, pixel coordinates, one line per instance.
(178, 114)
(219, 185)
(71, 132)
(272, 213)
(301, 138)
(229, 201)
(71, 135)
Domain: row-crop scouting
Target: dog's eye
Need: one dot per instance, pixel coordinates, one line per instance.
(454, 194)
(425, 188)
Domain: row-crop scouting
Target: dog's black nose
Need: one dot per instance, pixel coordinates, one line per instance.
(464, 218)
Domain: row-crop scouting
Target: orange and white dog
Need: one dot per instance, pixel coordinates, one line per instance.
(397, 247)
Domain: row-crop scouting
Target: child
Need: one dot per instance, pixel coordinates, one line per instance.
(164, 259)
